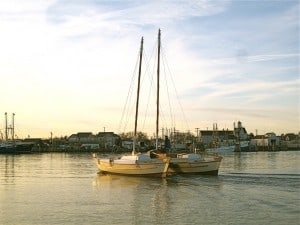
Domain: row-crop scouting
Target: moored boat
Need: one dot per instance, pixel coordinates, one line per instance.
(191, 163)
(242, 146)
(187, 163)
(221, 149)
(15, 147)
(10, 145)
(136, 164)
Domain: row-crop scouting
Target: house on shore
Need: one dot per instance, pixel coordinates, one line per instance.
(108, 139)
(82, 138)
(291, 141)
(88, 140)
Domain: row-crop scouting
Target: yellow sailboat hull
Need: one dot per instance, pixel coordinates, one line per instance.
(178, 165)
(191, 163)
(150, 167)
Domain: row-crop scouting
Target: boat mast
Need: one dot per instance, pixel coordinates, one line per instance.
(157, 98)
(13, 127)
(6, 129)
(137, 98)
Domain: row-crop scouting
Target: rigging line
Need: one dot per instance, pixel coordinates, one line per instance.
(125, 110)
(176, 92)
(151, 73)
(148, 73)
(168, 93)
(145, 61)
(130, 112)
(152, 88)
(164, 115)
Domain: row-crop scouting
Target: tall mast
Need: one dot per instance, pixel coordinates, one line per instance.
(13, 127)
(137, 98)
(6, 128)
(157, 98)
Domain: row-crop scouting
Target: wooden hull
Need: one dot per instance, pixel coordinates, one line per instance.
(152, 167)
(178, 165)
(190, 163)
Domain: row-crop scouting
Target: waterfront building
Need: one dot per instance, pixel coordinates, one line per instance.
(108, 139)
(212, 137)
(240, 132)
(82, 137)
(268, 141)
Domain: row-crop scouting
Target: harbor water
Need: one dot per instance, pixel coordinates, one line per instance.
(61, 188)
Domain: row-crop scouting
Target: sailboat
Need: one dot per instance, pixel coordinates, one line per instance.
(187, 163)
(136, 164)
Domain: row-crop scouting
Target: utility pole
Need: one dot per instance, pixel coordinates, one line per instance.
(197, 133)
(51, 137)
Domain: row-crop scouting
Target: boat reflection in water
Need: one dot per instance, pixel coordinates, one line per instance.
(115, 181)
(145, 198)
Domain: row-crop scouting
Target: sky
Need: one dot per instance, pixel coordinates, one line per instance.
(67, 66)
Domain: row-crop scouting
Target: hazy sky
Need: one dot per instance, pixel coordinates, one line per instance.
(66, 66)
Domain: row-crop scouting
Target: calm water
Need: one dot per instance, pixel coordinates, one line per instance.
(58, 188)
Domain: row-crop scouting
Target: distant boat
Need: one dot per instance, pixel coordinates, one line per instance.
(187, 163)
(12, 145)
(222, 149)
(15, 147)
(243, 146)
(136, 164)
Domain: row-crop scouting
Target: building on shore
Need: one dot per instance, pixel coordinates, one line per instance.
(266, 142)
(108, 139)
(216, 138)
(90, 141)
(291, 141)
(82, 137)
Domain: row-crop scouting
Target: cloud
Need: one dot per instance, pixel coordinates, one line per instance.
(78, 56)
(135, 12)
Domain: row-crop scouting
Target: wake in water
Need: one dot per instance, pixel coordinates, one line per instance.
(263, 179)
